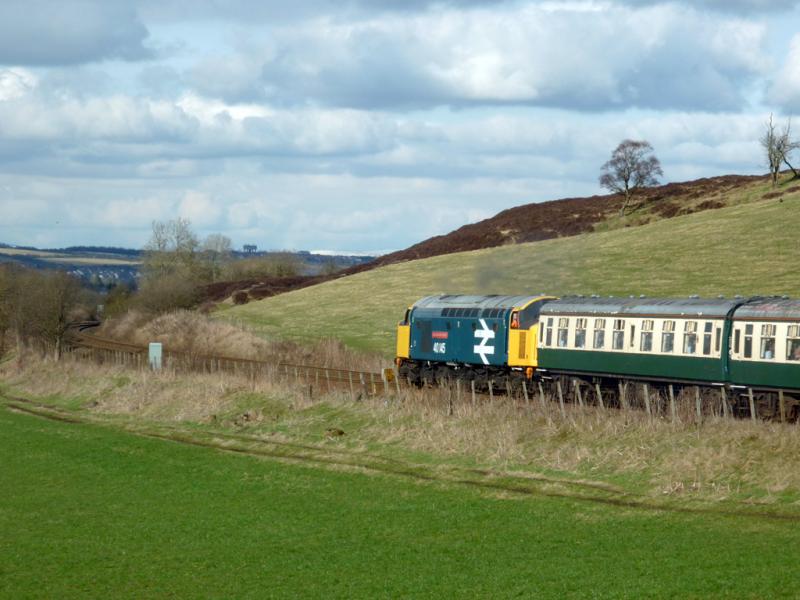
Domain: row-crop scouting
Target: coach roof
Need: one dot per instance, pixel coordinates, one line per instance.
(658, 307)
(763, 309)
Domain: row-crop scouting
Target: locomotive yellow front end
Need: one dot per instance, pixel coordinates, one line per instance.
(403, 338)
(523, 333)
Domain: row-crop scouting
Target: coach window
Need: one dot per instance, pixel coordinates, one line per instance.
(668, 337)
(549, 340)
(768, 341)
(690, 337)
(618, 336)
(748, 341)
(563, 332)
(717, 338)
(599, 333)
(737, 338)
(793, 343)
(580, 333)
(708, 328)
(647, 336)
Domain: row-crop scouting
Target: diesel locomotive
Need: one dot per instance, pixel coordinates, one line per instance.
(737, 349)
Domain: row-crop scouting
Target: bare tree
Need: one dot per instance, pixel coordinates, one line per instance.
(778, 147)
(632, 166)
(173, 247)
(217, 253)
(48, 303)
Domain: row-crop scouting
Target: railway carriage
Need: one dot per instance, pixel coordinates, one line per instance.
(765, 352)
(682, 341)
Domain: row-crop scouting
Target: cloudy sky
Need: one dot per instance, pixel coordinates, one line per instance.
(364, 125)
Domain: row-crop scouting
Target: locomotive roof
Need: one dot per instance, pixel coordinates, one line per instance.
(466, 301)
(661, 307)
(770, 309)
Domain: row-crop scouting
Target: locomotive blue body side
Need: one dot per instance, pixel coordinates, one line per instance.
(459, 339)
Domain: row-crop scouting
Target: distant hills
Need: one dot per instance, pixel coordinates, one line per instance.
(104, 266)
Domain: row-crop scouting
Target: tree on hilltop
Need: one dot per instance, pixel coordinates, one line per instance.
(632, 166)
(778, 147)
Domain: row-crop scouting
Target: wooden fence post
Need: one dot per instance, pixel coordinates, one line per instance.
(782, 406)
(623, 403)
(752, 404)
(599, 395)
(647, 400)
(672, 408)
(525, 393)
(578, 393)
(472, 385)
(698, 406)
(561, 398)
(491, 392)
(724, 398)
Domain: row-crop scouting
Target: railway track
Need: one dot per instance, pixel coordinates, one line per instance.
(106, 350)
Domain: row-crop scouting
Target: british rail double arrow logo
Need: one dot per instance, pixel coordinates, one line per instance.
(484, 335)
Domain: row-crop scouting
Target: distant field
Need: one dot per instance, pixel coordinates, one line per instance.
(92, 261)
(88, 511)
(21, 252)
(750, 248)
(72, 259)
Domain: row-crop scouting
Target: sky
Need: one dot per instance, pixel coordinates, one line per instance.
(365, 126)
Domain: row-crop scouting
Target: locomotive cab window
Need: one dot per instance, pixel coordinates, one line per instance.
(647, 336)
(690, 337)
(668, 337)
(618, 335)
(549, 336)
(580, 333)
(599, 334)
(767, 341)
(793, 343)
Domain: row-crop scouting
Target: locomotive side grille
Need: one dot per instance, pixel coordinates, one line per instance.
(523, 344)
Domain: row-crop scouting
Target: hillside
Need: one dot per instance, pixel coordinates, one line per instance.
(542, 221)
(750, 248)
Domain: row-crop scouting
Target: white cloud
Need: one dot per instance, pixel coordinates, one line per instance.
(785, 90)
(15, 83)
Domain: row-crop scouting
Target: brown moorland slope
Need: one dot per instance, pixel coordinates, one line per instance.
(538, 221)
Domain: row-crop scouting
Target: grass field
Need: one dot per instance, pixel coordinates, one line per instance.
(76, 259)
(750, 248)
(88, 511)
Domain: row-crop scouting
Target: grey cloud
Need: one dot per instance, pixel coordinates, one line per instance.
(659, 57)
(54, 32)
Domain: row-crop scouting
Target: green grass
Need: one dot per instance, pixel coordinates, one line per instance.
(750, 248)
(88, 511)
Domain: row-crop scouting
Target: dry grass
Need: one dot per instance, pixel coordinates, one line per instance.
(195, 333)
(720, 460)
